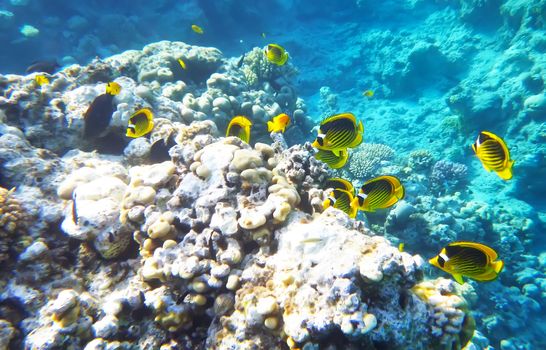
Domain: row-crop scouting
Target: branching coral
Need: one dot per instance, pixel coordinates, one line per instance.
(446, 176)
(420, 159)
(367, 158)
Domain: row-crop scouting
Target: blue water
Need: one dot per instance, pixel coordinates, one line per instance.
(441, 72)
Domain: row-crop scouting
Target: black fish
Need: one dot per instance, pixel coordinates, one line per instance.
(240, 62)
(159, 151)
(43, 66)
(98, 115)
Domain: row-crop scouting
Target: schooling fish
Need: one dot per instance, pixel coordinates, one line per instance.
(41, 80)
(182, 63)
(276, 54)
(379, 193)
(492, 151)
(99, 113)
(197, 29)
(341, 199)
(332, 160)
(339, 183)
(43, 66)
(239, 126)
(140, 123)
(469, 259)
(339, 132)
(279, 123)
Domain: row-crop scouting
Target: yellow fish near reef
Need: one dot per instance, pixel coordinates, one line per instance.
(99, 113)
(339, 132)
(197, 29)
(41, 80)
(341, 199)
(140, 123)
(492, 151)
(401, 247)
(182, 63)
(279, 123)
(276, 54)
(332, 160)
(379, 193)
(337, 182)
(113, 88)
(469, 259)
(239, 126)
(368, 93)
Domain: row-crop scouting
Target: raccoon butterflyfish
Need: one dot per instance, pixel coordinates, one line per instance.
(279, 123)
(197, 29)
(491, 150)
(41, 80)
(99, 113)
(469, 259)
(337, 182)
(332, 160)
(140, 123)
(240, 127)
(379, 193)
(341, 199)
(339, 132)
(276, 54)
(368, 93)
(43, 66)
(182, 63)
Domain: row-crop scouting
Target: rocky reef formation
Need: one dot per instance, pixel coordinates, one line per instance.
(218, 244)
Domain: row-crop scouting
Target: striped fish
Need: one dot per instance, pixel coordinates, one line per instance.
(239, 127)
(470, 259)
(333, 161)
(341, 199)
(337, 182)
(379, 193)
(491, 150)
(339, 132)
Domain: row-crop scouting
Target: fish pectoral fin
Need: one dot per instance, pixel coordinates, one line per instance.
(458, 277)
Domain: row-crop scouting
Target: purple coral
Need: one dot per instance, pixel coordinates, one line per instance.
(446, 176)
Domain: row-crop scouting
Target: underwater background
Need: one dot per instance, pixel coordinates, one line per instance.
(439, 73)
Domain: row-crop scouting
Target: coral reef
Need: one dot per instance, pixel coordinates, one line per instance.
(366, 160)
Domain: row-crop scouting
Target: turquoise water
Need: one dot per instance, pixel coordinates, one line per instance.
(440, 72)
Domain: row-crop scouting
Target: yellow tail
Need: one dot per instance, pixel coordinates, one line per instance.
(498, 265)
(270, 126)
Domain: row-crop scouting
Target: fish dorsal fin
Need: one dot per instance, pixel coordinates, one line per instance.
(345, 115)
(487, 250)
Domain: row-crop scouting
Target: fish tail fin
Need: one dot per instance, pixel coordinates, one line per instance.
(270, 126)
(326, 204)
(354, 204)
(505, 174)
(498, 265)
(458, 277)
